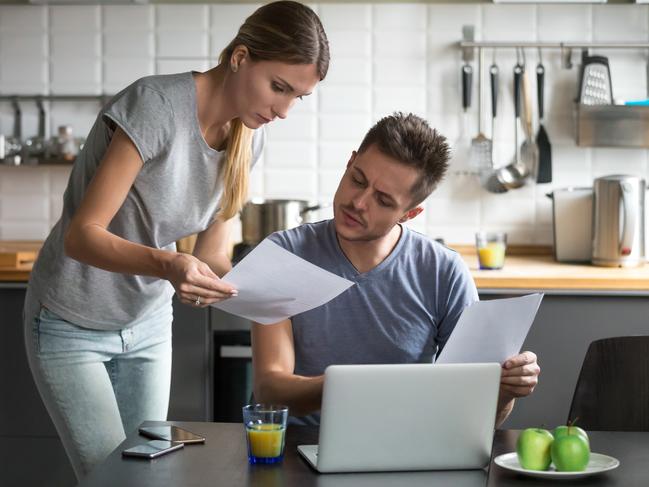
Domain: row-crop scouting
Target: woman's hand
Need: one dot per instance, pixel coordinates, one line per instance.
(195, 283)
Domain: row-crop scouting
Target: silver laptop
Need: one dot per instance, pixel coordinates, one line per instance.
(406, 417)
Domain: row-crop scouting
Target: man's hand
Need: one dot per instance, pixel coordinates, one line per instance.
(518, 378)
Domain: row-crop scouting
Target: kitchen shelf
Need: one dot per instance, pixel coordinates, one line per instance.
(612, 126)
(41, 163)
(97, 98)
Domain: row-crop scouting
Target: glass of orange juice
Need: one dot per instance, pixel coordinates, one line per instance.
(265, 432)
(491, 248)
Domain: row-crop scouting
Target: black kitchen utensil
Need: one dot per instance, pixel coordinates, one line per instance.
(542, 139)
(467, 78)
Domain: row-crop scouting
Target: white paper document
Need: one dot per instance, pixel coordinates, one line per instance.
(491, 331)
(275, 284)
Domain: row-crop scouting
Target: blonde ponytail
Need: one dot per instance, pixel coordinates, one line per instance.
(236, 170)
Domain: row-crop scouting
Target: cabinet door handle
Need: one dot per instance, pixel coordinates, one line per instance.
(235, 351)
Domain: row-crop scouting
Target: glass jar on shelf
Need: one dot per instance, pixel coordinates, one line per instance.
(64, 147)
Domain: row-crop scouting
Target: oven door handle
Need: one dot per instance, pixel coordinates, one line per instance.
(235, 351)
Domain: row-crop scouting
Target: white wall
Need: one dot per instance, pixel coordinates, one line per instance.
(385, 57)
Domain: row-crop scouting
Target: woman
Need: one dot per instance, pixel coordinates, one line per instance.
(169, 156)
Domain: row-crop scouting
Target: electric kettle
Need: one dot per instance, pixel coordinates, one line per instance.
(618, 221)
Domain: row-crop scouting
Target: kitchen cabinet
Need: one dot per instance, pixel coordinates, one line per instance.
(190, 372)
(563, 329)
(26, 430)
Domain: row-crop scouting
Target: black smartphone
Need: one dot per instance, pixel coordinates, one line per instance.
(171, 433)
(152, 449)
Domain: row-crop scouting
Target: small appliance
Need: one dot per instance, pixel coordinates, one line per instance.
(618, 221)
(572, 215)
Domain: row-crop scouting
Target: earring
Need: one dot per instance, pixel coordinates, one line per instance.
(233, 67)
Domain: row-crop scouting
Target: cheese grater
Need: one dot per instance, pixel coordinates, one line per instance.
(595, 87)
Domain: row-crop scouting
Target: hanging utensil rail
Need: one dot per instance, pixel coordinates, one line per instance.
(565, 47)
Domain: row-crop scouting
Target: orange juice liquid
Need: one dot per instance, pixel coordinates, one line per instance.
(492, 256)
(265, 440)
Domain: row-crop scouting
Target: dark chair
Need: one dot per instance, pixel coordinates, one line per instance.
(612, 392)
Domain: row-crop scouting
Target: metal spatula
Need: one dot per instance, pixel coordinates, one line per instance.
(481, 146)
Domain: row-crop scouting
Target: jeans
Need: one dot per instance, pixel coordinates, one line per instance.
(98, 386)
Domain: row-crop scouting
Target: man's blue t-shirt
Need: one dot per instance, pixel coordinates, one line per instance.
(401, 311)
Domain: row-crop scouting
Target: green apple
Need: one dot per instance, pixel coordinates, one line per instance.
(564, 430)
(570, 453)
(533, 448)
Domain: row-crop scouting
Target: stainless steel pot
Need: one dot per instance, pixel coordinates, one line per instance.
(260, 218)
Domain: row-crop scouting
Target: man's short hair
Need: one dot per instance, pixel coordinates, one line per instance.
(409, 139)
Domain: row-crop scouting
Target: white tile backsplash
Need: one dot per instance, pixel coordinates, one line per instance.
(344, 127)
(23, 46)
(351, 71)
(328, 183)
(508, 22)
(121, 18)
(182, 44)
(446, 20)
(619, 161)
(20, 181)
(23, 18)
(169, 66)
(128, 44)
(185, 17)
(385, 57)
(295, 127)
(58, 178)
(345, 99)
(24, 230)
(290, 155)
(620, 23)
(295, 184)
(399, 71)
(564, 23)
(75, 18)
(335, 155)
(69, 76)
(402, 44)
(345, 17)
(25, 75)
(399, 17)
(389, 99)
(228, 18)
(346, 43)
(75, 46)
(119, 73)
(24, 206)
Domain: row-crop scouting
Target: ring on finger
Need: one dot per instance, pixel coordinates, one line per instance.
(198, 301)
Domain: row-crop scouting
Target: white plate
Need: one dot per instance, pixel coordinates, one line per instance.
(598, 463)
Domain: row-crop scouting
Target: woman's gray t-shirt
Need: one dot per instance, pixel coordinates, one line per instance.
(176, 194)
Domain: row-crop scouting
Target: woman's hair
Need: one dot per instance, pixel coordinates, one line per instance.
(280, 31)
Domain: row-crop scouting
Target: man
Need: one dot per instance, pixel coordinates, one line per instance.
(409, 291)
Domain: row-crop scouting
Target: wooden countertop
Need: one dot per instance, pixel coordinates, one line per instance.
(526, 267)
(534, 268)
(17, 259)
